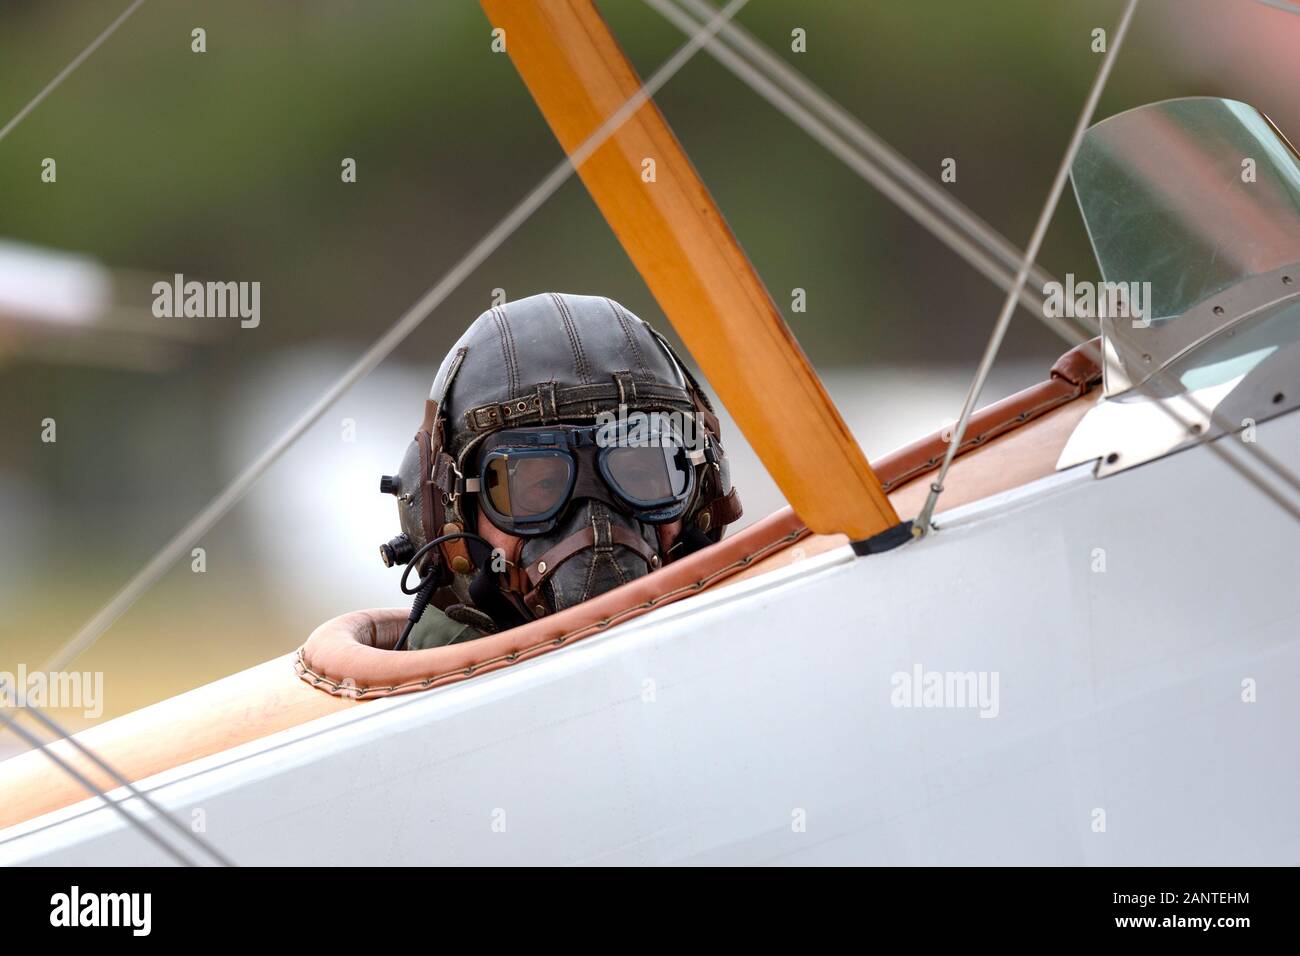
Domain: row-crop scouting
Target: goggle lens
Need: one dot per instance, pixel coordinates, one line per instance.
(529, 475)
(647, 475)
(528, 487)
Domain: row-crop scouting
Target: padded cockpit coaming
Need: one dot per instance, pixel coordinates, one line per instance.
(350, 656)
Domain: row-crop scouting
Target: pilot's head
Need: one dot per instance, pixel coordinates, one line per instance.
(565, 432)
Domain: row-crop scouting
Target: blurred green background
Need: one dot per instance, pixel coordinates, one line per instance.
(225, 165)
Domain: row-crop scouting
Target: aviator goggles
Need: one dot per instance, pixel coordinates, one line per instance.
(527, 476)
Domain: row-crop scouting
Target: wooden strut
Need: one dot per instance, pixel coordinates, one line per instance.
(677, 239)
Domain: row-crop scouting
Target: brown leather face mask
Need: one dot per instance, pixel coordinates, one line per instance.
(592, 549)
(587, 555)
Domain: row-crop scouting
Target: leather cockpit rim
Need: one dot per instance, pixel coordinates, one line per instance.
(349, 688)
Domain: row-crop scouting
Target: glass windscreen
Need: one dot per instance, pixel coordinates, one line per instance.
(1190, 195)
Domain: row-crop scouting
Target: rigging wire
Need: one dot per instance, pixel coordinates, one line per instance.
(36, 743)
(149, 575)
(980, 233)
(80, 58)
(922, 522)
(783, 85)
(997, 246)
(54, 727)
(180, 544)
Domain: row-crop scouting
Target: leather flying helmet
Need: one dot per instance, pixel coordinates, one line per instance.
(566, 450)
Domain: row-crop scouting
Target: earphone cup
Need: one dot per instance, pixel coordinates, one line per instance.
(410, 502)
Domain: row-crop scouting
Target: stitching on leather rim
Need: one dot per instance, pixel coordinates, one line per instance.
(992, 431)
(348, 687)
